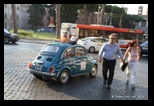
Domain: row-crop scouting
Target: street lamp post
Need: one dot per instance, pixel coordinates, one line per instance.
(98, 13)
(120, 22)
(107, 19)
(14, 18)
(111, 16)
(58, 20)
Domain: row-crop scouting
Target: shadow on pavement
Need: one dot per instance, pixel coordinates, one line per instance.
(86, 88)
(11, 44)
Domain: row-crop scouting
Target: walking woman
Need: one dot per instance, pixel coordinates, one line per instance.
(133, 53)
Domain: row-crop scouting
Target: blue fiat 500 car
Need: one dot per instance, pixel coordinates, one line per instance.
(63, 61)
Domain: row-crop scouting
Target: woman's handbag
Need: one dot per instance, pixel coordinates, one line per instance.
(123, 66)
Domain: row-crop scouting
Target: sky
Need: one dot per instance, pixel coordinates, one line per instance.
(133, 8)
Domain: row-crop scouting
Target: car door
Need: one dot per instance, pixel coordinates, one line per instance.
(98, 44)
(81, 60)
(68, 60)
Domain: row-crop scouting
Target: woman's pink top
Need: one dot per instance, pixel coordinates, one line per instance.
(133, 55)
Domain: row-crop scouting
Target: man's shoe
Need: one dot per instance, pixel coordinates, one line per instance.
(127, 82)
(133, 86)
(104, 83)
(108, 87)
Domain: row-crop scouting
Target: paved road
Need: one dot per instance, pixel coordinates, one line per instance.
(19, 84)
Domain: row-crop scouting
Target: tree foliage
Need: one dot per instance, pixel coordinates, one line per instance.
(68, 12)
(127, 19)
(36, 13)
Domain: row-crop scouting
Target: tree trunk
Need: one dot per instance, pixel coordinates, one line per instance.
(120, 22)
(85, 14)
(58, 21)
(14, 18)
(103, 11)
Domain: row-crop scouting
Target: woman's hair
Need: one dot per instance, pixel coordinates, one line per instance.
(132, 43)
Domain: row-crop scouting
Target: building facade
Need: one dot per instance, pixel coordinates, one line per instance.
(143, 25)
(21, 14)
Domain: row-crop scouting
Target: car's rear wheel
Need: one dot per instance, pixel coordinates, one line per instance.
(64, 76)
(91, 49)
(93, 71)
(13, 42)
(6, 40)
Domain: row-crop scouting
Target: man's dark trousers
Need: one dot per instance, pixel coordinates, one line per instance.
(108, 65)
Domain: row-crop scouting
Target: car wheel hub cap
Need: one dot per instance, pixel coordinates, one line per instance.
(64, 77)
(93, 72)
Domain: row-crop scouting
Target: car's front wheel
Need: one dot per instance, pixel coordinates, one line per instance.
(93, 71)
(6, 40)
(64, 76)
(91, 49)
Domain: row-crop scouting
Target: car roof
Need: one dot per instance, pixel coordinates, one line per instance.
(63, 44)
(96, 37)
(144, 43)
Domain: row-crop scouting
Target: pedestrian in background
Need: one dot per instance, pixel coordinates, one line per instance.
(109, 52)
(134, 54)
(73, 38)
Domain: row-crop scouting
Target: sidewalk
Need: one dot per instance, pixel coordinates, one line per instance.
(42, 41)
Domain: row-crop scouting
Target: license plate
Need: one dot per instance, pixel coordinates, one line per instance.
(38, 66)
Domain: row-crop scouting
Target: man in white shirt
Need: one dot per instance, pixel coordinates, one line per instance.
(73, 38)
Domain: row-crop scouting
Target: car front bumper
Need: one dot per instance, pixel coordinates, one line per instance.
(144, 51)
(14, 39)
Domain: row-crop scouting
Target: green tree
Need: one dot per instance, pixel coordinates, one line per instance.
(127, 19)
(69, 12)
(36, 11)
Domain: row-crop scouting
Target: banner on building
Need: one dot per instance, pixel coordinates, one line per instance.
(51, 22)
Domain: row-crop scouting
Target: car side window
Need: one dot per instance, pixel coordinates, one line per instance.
(69, 53)
(98, 40)
(80, 51)
(93, 40)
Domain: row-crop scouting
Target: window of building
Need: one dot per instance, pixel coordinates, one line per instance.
(5, 16)
(11, 25)
(5, 25)
(143, 23)
(11, 17)
(82, 20)
(17, 8)
(17, 17)
(5, 5)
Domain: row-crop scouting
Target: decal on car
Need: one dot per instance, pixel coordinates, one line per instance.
(83, 65)
(99, 44)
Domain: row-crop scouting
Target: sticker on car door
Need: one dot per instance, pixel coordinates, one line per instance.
(83, 65)
(99, 44)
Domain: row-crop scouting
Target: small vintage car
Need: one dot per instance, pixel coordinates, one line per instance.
(63, 61)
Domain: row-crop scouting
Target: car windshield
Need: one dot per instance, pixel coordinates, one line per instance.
(6, 31)
(145, 43)
(83, 39)
(49, 48)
